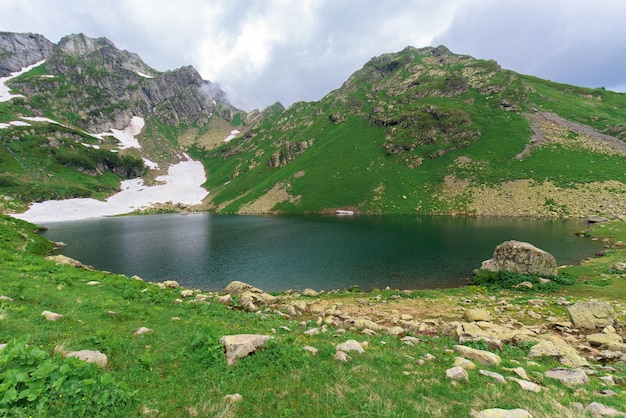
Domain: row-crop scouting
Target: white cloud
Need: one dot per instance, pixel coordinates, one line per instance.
(289, 50)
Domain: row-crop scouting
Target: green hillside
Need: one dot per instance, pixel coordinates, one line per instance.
(407, 125)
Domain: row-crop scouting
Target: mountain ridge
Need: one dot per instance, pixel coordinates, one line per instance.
(421, 130)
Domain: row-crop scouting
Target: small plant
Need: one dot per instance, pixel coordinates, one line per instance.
(35, 384)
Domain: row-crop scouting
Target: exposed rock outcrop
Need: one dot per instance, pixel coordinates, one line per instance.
(521, 257)
(20, 50)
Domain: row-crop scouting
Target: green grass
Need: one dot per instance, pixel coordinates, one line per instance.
(179, 369)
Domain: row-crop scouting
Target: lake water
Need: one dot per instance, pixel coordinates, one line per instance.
(277, 253)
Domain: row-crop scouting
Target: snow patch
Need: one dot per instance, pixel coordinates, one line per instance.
(126, 136)
(139, 73)
(232, 135)
(182, 184)
(90, 146)
(40, 119)
(5, 92)
(14, 123)
(150, 164)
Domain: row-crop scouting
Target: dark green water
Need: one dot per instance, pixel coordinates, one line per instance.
(294, 252)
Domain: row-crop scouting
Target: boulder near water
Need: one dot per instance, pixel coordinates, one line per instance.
(521, 257)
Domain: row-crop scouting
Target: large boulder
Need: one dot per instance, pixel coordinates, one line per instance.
(591, 315)
(250, 297)
(242, 345)
(521, 257)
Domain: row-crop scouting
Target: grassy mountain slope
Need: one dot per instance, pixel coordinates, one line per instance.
(404, 131)
(89, 86)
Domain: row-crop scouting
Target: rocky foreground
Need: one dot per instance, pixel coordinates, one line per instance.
(583, 337)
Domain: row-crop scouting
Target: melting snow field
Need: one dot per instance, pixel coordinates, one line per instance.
(183, 184)
(5, 92)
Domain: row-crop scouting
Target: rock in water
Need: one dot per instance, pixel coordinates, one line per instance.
(521, 257)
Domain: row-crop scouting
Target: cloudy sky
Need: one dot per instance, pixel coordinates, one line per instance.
(263, 51)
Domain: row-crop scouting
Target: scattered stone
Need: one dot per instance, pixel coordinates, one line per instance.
(598, 409)
(527, 385)
(240, 345)
(51, 316)
(520, 372)
(465, 363)
(2, 346)
(595, 219)
(472, 315)
(619, 266)
(350, 345)
(67, 261)
(604, 340)
(249, 296)
(481, 356)
(312, 331)
(171, 284)
(524, 285)
(396, 332)
(310, 349)
(310, 292)
(341, 356)
(521, 257)
(90, 356)
(93, 283)
(591, 315)
(235, 397)
(608, 380)
(493, 375)
(408, 340)
(606, 392)
(428, 357)
(226, 299)
(555, 346)
(501, 413)
(8, 299)
(142, 331)
(457, 373)
(568, 377)
(186, 293)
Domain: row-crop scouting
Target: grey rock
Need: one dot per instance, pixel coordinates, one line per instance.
(241, 345)
(481, 356)
(599, 410)
(591, 315)
(521, 257)
(19, 50)
(350, 345)
(502, 413)
(493, 375)
(476, 314)
(526, 384)
(51, 316)
(457, 373)
(90, 356)
(568, 377)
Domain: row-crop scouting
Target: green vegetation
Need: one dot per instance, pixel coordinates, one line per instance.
(386, 140)
(179, 369)
(49, 161)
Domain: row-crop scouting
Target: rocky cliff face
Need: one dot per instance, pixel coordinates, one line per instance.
(18, 50)
(98, 87)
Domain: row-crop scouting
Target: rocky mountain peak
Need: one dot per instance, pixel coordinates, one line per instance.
(19, 50)
(80, 44)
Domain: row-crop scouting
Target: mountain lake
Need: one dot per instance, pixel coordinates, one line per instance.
(276, 253)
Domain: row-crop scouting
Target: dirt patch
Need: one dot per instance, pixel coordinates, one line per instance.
(266, 203)
(527, 198)
(551, 128)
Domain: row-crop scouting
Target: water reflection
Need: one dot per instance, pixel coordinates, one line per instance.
(276, 253)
